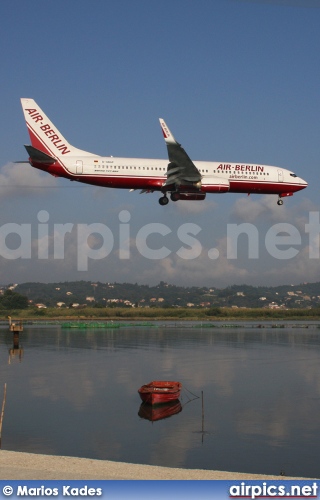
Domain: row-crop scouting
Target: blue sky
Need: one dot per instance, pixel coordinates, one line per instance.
(235, 80)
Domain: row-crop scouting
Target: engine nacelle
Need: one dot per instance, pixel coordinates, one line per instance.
(215, 185)
(192, 196)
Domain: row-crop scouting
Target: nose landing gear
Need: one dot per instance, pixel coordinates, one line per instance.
(280, 201)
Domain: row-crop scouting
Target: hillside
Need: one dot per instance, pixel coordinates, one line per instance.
(98, 294)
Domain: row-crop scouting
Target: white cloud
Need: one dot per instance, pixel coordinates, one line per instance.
(300, 269)
(18, 179)
(204, 262)
(196, 207)
(251, 210)
(199, 271)
(265, 209)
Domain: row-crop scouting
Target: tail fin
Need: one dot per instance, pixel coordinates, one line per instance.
(44, 135)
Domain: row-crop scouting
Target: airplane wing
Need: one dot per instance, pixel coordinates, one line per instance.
(181, 168)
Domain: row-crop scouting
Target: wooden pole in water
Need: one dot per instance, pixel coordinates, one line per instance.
(202, 415)
(2, 410)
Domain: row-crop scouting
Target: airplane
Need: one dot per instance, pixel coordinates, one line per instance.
(180, 178)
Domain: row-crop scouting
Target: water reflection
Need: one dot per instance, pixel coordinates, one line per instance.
(76, 394)
(160, 411)
(16, 351)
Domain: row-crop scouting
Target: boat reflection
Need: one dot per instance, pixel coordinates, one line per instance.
(160, 411)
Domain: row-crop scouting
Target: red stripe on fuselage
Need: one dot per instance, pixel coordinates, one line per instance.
(155, 183)
(264, 187)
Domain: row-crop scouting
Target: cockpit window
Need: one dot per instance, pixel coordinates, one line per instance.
(293, 175)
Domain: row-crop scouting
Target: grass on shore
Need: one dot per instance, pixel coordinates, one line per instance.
(154, 313)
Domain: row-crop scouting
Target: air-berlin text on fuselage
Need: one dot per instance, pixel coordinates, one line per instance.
(49, 132)
(241, 168)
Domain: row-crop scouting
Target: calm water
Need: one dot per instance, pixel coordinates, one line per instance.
(74, 392)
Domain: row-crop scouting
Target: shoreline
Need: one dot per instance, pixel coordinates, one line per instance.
(125, 321)
(30, 466)
(224, 314)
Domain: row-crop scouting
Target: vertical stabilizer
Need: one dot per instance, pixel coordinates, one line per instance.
(44, 135)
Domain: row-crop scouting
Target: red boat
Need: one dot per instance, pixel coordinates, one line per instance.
(160, 391)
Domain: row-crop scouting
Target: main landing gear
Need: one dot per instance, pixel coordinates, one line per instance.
(174, 196)
(280, 201)
(163, 200)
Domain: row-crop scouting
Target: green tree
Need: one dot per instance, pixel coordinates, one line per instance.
(13, 300)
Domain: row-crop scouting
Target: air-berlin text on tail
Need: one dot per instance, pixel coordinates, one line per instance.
(49, 132)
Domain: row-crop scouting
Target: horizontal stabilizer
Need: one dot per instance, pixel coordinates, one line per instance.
(39, 156)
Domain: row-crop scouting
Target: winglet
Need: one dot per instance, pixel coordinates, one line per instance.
(168, 136)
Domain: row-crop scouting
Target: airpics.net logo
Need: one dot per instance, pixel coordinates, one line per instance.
(44, 240)
(269, 490)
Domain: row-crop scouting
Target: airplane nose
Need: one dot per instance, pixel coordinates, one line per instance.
(302, 183)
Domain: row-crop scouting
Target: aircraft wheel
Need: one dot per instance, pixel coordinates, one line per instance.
(163, 200)
(175, 196)
(280, 201)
